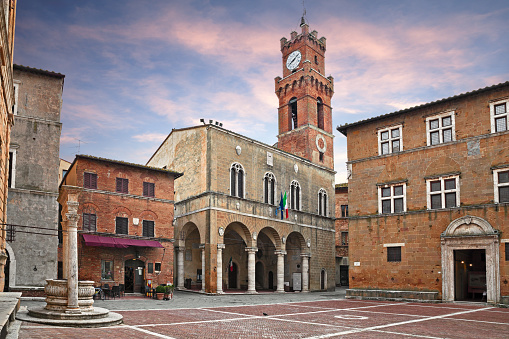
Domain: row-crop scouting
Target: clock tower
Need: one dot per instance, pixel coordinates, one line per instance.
(305, 93)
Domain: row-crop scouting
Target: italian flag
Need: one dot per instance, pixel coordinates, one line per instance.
(230, 264)
(285, 203)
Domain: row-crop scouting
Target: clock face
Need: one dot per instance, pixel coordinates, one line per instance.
(293, 60)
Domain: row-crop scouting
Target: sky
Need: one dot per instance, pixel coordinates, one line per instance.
(135, 69)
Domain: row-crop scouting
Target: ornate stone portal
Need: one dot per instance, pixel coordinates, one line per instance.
(465, 233)
(70, 302)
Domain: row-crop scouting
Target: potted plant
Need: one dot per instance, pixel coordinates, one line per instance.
(168, 293)
(160, 290)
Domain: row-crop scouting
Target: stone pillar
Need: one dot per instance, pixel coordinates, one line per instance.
(72, 254)
(220, 248)
(305, 272)
(251, 271)
(180, 267)
(202, 247)
(280, 271)
(65, 247)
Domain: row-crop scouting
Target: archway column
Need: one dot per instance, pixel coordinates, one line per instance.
(220, 248)
(305, 271)
(280, 271)
(251, 271)
(202, 247)
(180, 267)
(72, 255)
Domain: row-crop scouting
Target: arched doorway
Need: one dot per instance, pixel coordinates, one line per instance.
(267, 242)
(323, 279)
(236, 239)
(134, 270)
(233, 272)
(474, 241)
(295, 247)
(6, 273)
(192, 275)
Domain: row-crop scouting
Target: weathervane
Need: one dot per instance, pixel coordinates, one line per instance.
(303, 21)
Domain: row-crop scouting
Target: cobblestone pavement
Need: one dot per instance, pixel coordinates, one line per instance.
(289, 315)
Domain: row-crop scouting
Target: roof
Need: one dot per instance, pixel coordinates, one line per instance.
(345, 184)
(38, 71)
(176, 174)
(343, 128)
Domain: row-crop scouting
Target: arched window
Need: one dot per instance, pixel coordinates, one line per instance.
(237, 180)
(295, 195)
(319, 112)
(292, 106)
(269, 185)
(322, 202)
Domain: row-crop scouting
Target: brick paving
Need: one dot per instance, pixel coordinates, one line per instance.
(317, 316)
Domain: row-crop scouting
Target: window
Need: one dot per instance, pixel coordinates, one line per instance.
(121, 225)
(90, 180)
(292, 107)
(392, 198)
(295, 195)
(389, 140)
(157, 267)
(11, 181)
(89, 222)
(344, 211)
(150, 267)
(122, 185)
(344, 238)
(501, 181)
(394, 254)
(507, 251)
(149, 189)
(148, 228)
(237, 180)
(499, 116)
(443, 192)
(440, 128)
(319, 113)
(269, 185)
(107, 269)
(322, 202)
(16, 90)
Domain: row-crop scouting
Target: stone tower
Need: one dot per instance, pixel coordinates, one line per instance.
(305, 93)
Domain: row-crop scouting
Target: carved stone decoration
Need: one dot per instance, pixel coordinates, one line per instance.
(238, 149)
(296, 168)
(221, 231)
(283, 240)
(237, 205)
(56, 295)
(255, 235)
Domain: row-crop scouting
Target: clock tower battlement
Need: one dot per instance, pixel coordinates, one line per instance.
(305, 93)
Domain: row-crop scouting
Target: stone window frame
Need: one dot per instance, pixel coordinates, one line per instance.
(16, 84)
(237, 171)
(104, 276)
(344, 238)
(442, 191)
(394, 252)
(295, 198)
(156, 266)
(391, 197)
(322, 202)
(440, 129)
(270, 186)
(494, 117)
(390, 140)
(12, 167)
(344, 211)
(497, 185)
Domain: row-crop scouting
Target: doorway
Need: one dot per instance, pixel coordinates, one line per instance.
(259, 275)
(470, 275)
(6, 272)
(232, 276)
(134, 271)
(271, 280)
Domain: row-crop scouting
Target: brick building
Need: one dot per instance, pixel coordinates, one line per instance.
(227, 233)
(125, 226)
(428, 199)
(341, 226)
(7, 25)
(32, 207)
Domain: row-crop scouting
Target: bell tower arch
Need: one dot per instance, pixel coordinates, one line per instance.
(305, 93)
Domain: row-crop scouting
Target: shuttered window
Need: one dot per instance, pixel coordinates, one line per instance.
(121, 225)
(90, 180)
(122, 185)
(89, 222)
(148, 228)
(149, 189)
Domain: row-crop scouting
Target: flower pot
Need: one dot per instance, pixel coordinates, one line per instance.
(160, 296)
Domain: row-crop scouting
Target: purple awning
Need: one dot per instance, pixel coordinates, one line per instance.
(95, 240)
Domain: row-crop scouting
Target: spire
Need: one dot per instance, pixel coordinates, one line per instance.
(303, 20)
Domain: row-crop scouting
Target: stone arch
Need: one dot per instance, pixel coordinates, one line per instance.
(300, 239)
(122, 211)
(89, 207)
(184, 231)
(242, 231)
(12, 265)
(442, 165)
(272, 234)
(148, 215)
(471, 233)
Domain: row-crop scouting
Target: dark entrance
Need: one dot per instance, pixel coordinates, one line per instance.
(470, 275)
(232, 276)
(6, 272)
(343, 275)
(322, 279)
(271, 280)
(133, 277)
(259, 275)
